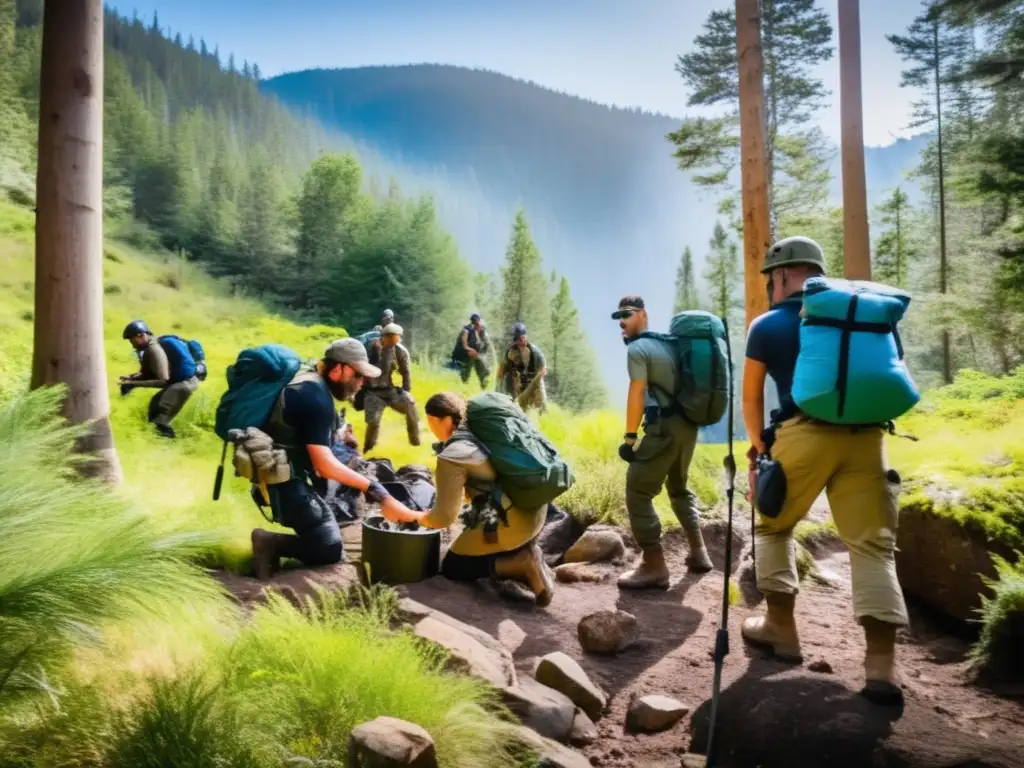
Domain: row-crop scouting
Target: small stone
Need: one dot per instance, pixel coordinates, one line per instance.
(820, 665)
(570, 573)
(607, 631)
(510, 634)
(388, 743)
(650, 714)
(943, 710)
(694, 761)
(596, 546)
(551, 754)
(560, 531)
(558, 671)
(583, 729)
(542, 709)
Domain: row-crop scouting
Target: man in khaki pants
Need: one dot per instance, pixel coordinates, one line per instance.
(847, 462)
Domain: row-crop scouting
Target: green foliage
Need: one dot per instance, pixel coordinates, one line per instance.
(894, 248)
(723, 274)
(997, 651)
(686, 285)
(524, 295)
(574, 380)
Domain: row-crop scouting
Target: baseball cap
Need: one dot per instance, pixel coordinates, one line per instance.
(351, 352)
(518, 331)
(391, 329)
(474, 317)
(628, 304)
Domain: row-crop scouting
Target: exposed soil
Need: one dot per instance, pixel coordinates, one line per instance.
(771, 714)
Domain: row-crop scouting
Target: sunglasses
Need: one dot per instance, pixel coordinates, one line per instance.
(626, 314)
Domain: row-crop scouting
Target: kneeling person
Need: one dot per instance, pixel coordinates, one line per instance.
(155, 373)
(388, 354)
(302, 423)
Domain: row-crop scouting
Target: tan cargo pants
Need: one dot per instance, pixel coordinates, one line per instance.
(849, 464)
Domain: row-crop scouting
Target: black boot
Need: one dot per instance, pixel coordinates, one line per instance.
(165, 430)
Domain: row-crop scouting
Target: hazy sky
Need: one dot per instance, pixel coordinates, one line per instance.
(613, 51)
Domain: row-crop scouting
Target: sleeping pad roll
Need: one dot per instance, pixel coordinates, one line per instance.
(850, 369)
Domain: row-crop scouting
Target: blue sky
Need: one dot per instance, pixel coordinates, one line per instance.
(613, 51)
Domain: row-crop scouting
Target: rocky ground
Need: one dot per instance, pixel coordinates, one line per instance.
(771, 714)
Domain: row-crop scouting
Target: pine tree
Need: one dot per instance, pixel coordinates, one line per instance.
(894, 249)
(573, 381)
(686, 286)
(524, 294)
(722, 274)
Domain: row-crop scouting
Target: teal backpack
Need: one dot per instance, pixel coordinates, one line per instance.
(530, 471)
(702, 382)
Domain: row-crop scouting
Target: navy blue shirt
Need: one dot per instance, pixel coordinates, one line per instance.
(774, 339)
(309, 410)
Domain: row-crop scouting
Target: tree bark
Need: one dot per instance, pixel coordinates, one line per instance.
(756, 217)
(68, 346)
(856, 241)
(947, 353)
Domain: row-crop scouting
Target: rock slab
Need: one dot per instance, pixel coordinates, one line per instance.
(650, 714)
(469, 655)
(595, 546)
(558, 671)
(551, 754)
(583, 729)
(388, 743)
(606, 632)
(540, 708)
(571, 573)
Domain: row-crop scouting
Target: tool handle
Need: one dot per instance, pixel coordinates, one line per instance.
(219, 479)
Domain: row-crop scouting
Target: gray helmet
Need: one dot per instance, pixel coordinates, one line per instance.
(792, 251)
(518, 331)
(134, 328)
(388, 313)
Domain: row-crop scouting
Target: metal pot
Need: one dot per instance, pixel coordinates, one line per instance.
(399, 557)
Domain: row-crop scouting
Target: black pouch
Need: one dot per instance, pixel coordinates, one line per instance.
(770, 493)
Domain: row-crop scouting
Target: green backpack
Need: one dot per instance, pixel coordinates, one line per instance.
(530, 471)
(702, 381)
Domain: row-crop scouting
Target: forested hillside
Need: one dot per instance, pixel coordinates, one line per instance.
(197, 160)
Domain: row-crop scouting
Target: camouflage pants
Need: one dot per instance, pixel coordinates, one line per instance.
(535, 394)
(377, 401)
(477, 364)
(168, 402)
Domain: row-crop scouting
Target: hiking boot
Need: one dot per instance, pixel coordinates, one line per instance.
(698, 560)
(527, 567)
(650, 572)
(777, 629)
(265, 560)
(165, 430)
(882, 684)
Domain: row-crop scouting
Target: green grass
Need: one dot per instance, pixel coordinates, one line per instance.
(997, 651)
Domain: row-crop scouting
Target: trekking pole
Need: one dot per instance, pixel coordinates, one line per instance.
(219, 480)
(722, 636)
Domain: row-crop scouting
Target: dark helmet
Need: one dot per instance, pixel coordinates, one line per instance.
(474, 317)
(134, 328)
(518, 331)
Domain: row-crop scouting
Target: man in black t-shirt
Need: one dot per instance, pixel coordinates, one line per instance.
(471, 351)
(302, 423)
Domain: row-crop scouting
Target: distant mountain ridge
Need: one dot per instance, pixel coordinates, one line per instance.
(608, 207)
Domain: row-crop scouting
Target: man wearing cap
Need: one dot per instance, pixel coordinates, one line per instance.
(302, 423)
(471, 350)
(662, 457)
(847, 462)
(523, 369)
(388, 354)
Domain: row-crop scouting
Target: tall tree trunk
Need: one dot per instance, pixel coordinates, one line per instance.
(68, 344)
(856, 243)
(756, 224)
(947, 363)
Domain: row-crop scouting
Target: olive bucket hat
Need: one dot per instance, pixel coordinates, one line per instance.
(792, 251)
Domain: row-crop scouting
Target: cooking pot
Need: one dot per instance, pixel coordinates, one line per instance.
(399, 556)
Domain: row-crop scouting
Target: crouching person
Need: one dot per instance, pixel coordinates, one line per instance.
(848, 462)
(497, 544)
(302, 424)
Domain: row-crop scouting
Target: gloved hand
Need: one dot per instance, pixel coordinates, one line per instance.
(376, 492)
(626, 452)
(126, 387)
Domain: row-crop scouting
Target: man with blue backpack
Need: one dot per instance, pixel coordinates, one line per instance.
(832, 349)
(168, 363)
(669, 440)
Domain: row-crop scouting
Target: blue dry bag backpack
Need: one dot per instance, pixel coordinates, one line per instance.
(255, 380)
(182, 357)
(850, 369)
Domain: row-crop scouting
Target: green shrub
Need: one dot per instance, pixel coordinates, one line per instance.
(998, 650)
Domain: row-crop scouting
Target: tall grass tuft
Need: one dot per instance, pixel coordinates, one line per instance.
(74, 556)
(998, 650)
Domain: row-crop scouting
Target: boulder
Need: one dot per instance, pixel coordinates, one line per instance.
(490, 662)
(541, 708)
(551, 754)
(595, 546)
(583, 729)
(388, 743)
(570, 573)
(558, 671)
(606, 631)
(560, 531)
(650, 714)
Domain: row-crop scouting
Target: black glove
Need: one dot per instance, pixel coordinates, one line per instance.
(626, 452)
(376, 492)
(126, 387)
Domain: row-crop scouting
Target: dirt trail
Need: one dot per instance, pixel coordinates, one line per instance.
(772, 714)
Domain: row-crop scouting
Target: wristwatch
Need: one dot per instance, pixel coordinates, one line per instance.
(629, 436)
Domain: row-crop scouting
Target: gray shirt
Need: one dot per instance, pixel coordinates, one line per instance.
(653, 361)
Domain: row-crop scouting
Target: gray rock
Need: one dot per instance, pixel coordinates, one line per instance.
(388, 743)
(490, 662)
(583, 729)
(551, 753)
(541, 708)
(570, 573)
(560, 530)
(650, 714)
(558, 671)
(607, 631)
(595, 546)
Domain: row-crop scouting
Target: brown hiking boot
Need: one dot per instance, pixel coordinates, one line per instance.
(650, 572)
(527, 567)
(777, 629)
(264, 554)
(882, 684)
(698, 560)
